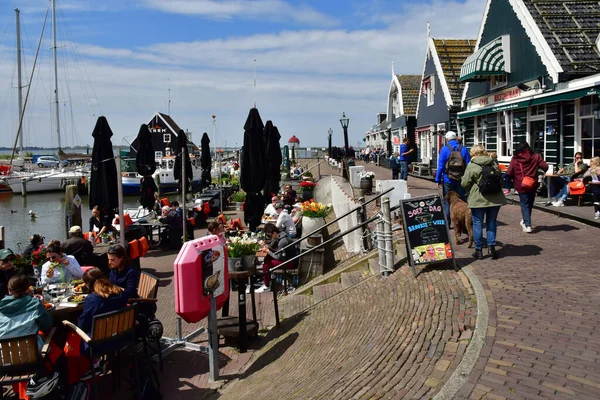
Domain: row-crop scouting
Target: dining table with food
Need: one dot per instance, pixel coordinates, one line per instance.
(62, 298)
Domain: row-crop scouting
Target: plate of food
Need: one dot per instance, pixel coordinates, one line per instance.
(76, 282)
(48, 306)
(79, 289)
(76, 298)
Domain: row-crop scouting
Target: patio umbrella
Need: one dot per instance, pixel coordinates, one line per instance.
(103, 185)
(182, 152)
(252, 175)
(205, 160)
(274, 159)
(146, 166)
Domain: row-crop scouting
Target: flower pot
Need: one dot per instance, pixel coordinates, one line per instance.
(104, 239)
(366, 185)
(238, 205)
(309, 225)
(234, 264)
(248, 262)
(307, 195)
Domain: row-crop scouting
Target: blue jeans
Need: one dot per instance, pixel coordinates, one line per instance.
(447, 187)
(491, 215)
(559, 187)
(404, 170)
(526, 200)
(395, 172)
(506, 181)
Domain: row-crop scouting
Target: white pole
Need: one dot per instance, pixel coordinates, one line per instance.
(120, 196)
(183, 188)
(55, 73)
(19, 84)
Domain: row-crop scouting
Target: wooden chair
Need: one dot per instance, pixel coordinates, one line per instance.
(148, 290)
(20, 359)
(111, 333)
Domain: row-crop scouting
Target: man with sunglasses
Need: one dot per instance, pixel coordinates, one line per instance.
(7, 270)
(567, 174)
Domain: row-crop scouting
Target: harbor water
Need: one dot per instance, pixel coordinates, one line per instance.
(49, 221)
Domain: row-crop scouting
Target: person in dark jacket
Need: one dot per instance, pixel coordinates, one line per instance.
(101, 220)
(441, 177)
(121, 273)
(35, 242)
(525, 163)
(7, 270)
(279, 240)
(78, 247)
(405, 154)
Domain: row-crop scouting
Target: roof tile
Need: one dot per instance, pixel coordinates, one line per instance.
(452, 54)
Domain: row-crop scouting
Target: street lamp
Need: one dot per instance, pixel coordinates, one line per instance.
(330, 131)
(344, 121)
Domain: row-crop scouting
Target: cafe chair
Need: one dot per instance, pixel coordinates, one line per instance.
(148, 290)
(112, 333)
(20, 358)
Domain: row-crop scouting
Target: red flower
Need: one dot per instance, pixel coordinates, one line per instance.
(307, 184)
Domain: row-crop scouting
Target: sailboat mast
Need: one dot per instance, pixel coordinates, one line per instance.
(55, 73)
(19, 84)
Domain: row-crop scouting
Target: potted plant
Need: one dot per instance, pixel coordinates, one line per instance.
(313, 216)
(307, 189)
(366, 181)
(104, 238)
(241, 251)
(238, 198)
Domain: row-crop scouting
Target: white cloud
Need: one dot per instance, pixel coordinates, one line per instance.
(305, 79)
(273, 10)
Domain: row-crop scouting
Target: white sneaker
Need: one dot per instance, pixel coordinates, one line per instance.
(597, 215)
(558, 203)
(263, 288)
(522, 224)
(527, 229)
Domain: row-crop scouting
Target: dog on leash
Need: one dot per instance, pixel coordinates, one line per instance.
(460, 215)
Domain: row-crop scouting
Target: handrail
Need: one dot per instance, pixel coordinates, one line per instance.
(337, 237)
(316, 165)
(335, 220)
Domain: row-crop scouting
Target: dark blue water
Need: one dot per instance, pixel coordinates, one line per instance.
(50, 216)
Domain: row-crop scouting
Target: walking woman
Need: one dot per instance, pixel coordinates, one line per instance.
(483, 205)
(523, 172)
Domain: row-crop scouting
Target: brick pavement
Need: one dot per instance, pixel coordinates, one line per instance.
(543, 295)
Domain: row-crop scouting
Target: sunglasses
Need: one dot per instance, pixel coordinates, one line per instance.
(52, 258)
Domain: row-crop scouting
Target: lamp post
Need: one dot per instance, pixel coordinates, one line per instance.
(330, 132)
(344, 121)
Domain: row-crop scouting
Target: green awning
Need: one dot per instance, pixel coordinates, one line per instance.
(485, 62)
(561, 96)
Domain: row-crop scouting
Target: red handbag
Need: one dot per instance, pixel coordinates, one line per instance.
(527, 182)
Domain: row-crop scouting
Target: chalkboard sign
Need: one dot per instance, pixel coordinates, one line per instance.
(426, 230)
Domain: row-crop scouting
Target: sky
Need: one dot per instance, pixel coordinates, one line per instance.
(125, 59)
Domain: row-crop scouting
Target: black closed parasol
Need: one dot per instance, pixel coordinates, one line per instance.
(103, 185)
(252, 174)
(146, 166)
(182, 152)
(274, 159)
(205, 160)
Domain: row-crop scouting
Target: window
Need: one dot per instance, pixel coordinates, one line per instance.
(589, 127)
(498, 81)
(429, 89)
(480, 132)
(425, 145)
(167, 138)
(157, 154)
(503, 142)
(537, 111)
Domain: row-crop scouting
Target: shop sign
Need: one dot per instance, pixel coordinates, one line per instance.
(505, 95)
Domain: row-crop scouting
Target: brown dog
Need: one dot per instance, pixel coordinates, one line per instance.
(460, 215)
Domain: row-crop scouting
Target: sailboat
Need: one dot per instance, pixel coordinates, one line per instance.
(54, 180)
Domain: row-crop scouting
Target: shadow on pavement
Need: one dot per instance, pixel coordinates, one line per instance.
(512, 250)
(556, 228)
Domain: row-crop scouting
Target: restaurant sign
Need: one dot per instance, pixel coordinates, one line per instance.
(513, 93)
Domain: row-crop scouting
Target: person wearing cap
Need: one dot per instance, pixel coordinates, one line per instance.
(285, 222)
(78, 247)
(7, 270)
(297, 213)
(441, 177)
(270, 210)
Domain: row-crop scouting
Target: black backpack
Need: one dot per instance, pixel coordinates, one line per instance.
(455, 166)
(491, 180)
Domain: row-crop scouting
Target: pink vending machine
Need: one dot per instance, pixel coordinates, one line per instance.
(197, 260)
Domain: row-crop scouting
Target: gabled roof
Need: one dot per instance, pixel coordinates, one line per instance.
(451, 54)
(570, 29)
(169, 121)
(410, 88)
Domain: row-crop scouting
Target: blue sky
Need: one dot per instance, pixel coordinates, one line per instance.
(314, 60)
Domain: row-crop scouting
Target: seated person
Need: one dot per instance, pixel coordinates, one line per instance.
(21, 314)
(60, 267)
(270, 210)
(101, 222)
(278, 241)
(289, 195)
(285, 222)
(78, 247)
(215, 228)
(171, 237)
(7, 270)
(560, 185)
(121, 273)
(297, 213)
(103, 297)
(36, 241)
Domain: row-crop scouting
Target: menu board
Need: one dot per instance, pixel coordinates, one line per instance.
(426, 230)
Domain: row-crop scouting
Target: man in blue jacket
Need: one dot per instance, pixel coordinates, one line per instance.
(450, 180)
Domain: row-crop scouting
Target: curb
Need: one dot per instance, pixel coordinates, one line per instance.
(466, 365)
(556, 211)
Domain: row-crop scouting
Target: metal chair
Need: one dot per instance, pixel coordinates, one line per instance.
(20, 359)
(111, 333)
